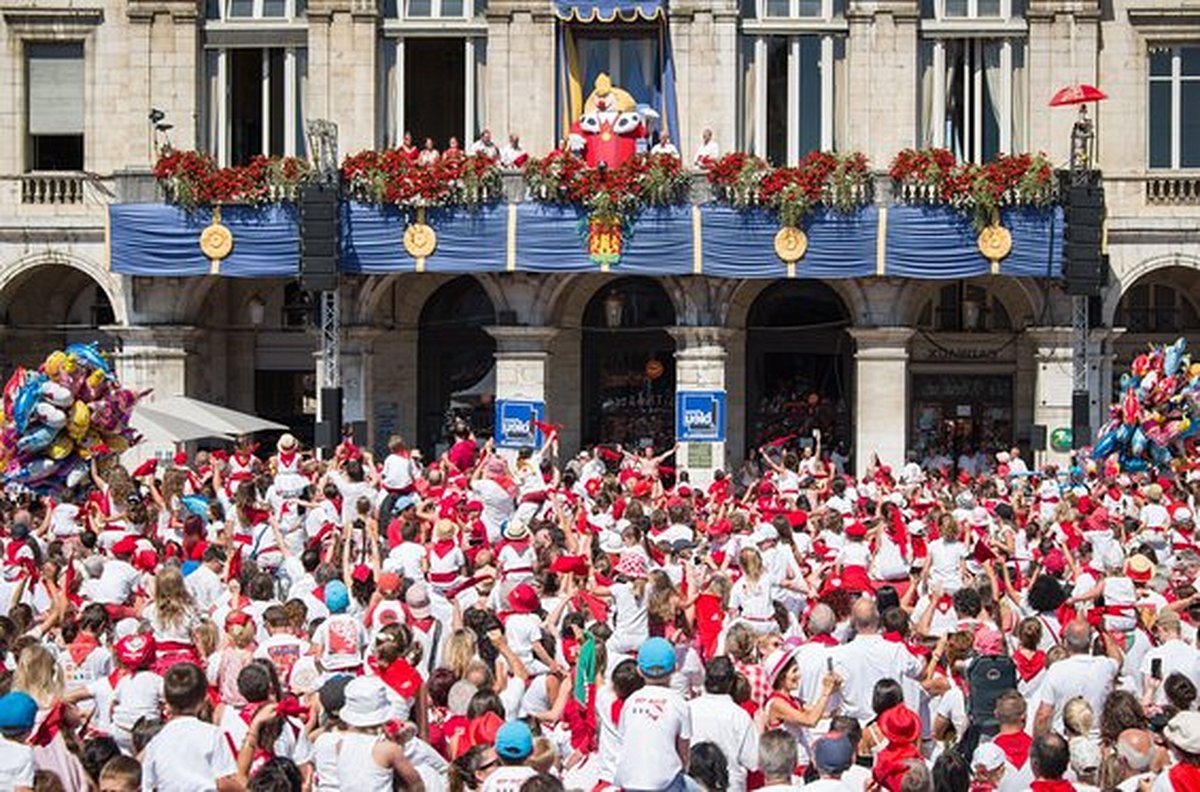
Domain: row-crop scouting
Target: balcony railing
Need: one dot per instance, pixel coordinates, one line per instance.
(1173, 190)
(52, 188)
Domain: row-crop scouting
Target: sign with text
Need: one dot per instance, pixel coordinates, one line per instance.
(700, 416)
(515, 423)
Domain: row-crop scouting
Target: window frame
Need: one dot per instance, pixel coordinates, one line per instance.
(974, 150)
(471, 35)
(292, 15)
(827, 11)
(26, 43)
(293, 145)
(1175, 80)
(760, 52)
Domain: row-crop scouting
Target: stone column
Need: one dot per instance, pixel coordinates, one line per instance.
(154, 357)
(522, 363)
(700, 354)
(1053, 356)
(881, 395)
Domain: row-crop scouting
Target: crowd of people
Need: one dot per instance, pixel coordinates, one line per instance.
(265, 620)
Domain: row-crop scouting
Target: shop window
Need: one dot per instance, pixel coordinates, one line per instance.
(960, 307)
(54, 83)
(962, 414)
(1157, 308)
(1174, 107)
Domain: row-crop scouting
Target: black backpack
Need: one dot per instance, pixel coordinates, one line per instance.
(987, 677)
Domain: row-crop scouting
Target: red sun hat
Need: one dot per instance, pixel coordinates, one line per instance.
(135, 651)
(900, 725)
(523, 599)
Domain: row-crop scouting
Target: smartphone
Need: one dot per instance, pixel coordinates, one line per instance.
(829, 664)
(1156, 667)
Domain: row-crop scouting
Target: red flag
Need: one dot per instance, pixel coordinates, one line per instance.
(546, 428)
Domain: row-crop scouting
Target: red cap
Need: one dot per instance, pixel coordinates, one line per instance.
(856, 530)
(389, 582)
(135, 651)
(145, 560)
(573, 564)
(361, 573)
(180, 459)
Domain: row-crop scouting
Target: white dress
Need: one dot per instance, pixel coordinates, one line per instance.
(356, 767)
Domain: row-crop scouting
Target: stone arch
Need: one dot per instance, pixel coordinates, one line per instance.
(1022, 299)
(17, 273)
(1182, 262)
(569, 299)
(850, 292)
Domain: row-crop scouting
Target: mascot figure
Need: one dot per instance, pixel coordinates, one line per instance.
(608, 131)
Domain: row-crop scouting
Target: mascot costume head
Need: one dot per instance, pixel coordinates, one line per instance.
(610, 126)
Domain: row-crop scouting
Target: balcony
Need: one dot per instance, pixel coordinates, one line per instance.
(53, 188)
(1173, 190)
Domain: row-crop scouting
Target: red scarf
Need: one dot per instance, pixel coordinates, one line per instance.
(1184, 778)
(1015, 746)
(710, 616)
(892, 763)
(50, 727)
(1057, 785)
(899, 532)
(83, 645)
(399, 676)
(825, 640)
(1029, 666)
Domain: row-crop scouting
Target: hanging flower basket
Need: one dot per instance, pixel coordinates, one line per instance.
(191, 179)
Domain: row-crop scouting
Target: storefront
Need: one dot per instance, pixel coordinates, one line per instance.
(629, 365)
(962, 413)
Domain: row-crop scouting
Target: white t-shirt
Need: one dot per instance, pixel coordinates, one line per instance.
(205, 586)
(631, 625)
(137, 696)
(498, 506)
(167, 768)
(1177, 658)
(398, 472)
(507, 779)
(16, 765)
(341, 638)
(1078, 675)
(944, 561)
(863, 662)
(652, 719)
(115, 584)
(405, 559)
(716, 719)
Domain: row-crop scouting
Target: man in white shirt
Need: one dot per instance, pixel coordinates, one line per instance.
(868, 659)
(1081, 674)
(655, 725)
(204, 582)
(777, 756)
(717, 719)
(665, 146)
(1171, 656)
(189, 755)
(814, 658)
(18, 712)
(484, 146)
(708, 151)
(512, 155)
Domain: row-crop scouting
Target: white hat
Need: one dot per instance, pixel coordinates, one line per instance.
(980, 517)
(459, 697)
(125, 627)
(1183, 731)
(366, 702)
(1003, 457)
(765, 532)
(916, 527)
(1085, 755)
(515, 529)
(989, 756)
(777, 661)
(305, 677)
(287, 442)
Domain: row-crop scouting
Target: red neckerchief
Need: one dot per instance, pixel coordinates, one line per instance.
(823, 640)
(1015, 746)
(443, 548)
(1056, 785)
(914, 648)
(898, 532)
(50, 727)
(83, 645)
(615, 711)
(1184, 778)
(1029, 666)
(892, 763)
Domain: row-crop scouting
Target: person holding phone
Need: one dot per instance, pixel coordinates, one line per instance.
(1173, 655)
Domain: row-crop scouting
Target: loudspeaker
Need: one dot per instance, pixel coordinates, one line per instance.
(1037, 437)
(1083, 213)
(358, 432)
(1081, 429)
(318, 237)
(329, 429)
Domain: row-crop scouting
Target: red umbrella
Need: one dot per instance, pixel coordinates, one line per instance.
(1077, 94)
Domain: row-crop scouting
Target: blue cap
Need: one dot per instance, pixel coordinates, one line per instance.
(656, 658)
(337, 598)
(404, 502)
(189, 567)
(514, 741)
(833, 754)
(17, 712)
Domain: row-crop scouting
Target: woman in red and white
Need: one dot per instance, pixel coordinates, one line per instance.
(290, 480)
(173, 618)
(750, 598)
(516, 557)
(444, 560)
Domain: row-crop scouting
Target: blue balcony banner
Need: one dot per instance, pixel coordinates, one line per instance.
(161, 240)
(469, 239)
(939, 242)
(741, 244)
(554, 238)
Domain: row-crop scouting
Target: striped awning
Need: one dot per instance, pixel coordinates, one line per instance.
(609, 10)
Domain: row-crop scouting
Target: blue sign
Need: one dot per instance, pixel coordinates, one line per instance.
(515, 427)
(700, 416)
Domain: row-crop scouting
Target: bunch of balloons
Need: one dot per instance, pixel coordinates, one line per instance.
(56, 419)
(1158, 411)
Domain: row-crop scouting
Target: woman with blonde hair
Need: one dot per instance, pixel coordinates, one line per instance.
(225, 664)
(461, 648)
(750, 598)
(40, 676)
(173, 619)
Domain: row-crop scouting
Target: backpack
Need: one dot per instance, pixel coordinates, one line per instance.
(987, 678)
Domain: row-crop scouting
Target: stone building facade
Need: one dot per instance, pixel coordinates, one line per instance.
(901, 364)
